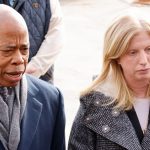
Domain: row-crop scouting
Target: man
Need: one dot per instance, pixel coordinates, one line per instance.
(44, 22)
(31, 110)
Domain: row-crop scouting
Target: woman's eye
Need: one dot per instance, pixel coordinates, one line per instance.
(148, 49)
(132, 52)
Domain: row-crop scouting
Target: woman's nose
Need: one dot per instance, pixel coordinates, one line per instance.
(143, 58)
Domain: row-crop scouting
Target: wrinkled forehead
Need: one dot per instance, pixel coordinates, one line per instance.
(12, 27)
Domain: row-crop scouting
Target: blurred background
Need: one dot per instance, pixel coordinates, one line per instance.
(85, 22)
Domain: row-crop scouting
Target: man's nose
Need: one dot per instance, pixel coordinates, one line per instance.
(18, 58)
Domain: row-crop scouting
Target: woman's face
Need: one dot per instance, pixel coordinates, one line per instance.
(136, 62)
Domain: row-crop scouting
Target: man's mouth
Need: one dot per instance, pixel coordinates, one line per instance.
(15, 76)
(15, 73)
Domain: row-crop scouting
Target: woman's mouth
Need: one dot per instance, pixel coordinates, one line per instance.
(144, 71)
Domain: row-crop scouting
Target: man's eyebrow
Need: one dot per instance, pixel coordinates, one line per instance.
(25, 45)
(11, 46)
(7, 47)
(14, 46)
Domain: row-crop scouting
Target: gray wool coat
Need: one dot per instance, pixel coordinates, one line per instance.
(98, 127)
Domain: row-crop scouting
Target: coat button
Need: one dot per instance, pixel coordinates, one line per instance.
(88, 119)
(35, 5)
(105, 128)
(97, 103)
(115, 113)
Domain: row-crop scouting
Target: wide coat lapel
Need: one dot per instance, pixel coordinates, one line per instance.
(31, 118)
(111, 123)
(146, 140)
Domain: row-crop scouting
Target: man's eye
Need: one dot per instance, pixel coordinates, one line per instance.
(24, 50)
(6, 52)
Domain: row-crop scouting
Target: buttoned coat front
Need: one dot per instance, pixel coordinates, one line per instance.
(101, 127)
(43, 123)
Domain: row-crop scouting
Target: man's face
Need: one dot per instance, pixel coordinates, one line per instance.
(14, 53)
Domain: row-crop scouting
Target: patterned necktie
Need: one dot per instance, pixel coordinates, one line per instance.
(4, 93)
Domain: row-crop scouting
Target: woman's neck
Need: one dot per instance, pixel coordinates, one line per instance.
(139, 89)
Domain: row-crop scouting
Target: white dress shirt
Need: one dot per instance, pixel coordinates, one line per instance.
(53, 43)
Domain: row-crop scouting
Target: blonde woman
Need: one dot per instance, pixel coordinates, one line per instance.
(114, 110)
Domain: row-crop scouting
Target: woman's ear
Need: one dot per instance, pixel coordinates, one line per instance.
(118, 61)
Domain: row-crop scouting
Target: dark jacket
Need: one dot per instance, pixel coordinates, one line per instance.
(99, 127)
(37, 15)
(43, 123)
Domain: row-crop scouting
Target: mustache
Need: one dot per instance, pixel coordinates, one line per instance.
(18, 69)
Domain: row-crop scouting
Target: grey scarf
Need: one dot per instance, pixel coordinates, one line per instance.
(12, 106)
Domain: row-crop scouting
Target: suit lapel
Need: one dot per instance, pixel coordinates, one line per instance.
(111, 124)
(30, 120)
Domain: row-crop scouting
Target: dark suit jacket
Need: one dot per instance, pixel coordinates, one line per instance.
(99, 127)
(42, 127)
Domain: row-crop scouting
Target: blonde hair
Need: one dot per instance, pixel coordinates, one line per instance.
(116, 42)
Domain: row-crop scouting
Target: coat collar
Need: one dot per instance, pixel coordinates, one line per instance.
(146, 140)
(31, 118)
(18, 3)
(111, 123)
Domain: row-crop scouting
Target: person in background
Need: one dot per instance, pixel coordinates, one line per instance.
(44, 21)
(31, 110)
(143, 2)
(114, 110)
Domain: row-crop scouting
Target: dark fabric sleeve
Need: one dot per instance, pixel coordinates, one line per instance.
(59, 131)
(81, 137)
